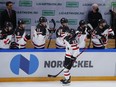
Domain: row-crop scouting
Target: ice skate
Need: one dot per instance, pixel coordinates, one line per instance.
(65, 81)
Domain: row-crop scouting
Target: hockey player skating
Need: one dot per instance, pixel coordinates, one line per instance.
(6, 36)
(40, 34)
(20, 35)
(72, 50)
(61, 33)
(100, 34)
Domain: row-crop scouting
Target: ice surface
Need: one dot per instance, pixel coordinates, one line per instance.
(58, 84)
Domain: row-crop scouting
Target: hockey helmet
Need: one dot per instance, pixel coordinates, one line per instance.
(72, 31)
(8, 24)
(101, 21)
(42, 19)
(21, 22)
(82, 22)
(63, 20)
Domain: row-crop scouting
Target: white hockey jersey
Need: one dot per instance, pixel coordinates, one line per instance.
(38, 39)
(72, 47)
(98, 41)
(81, 38)
(21, 41)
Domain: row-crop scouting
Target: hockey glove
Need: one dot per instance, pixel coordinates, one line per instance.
(103, 38)
(89, 31)
(13, 45)
(73, 58)
(51, 30)
(28, 37)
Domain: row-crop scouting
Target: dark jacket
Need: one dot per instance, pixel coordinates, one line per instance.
(6, 18)
(93, 18)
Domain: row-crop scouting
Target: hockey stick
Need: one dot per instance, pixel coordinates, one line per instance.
(67, 65)
(89, 25)
(52, 31)
(113, 23)
(89, 42)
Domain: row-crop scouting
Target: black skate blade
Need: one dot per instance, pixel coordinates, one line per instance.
(66, 84)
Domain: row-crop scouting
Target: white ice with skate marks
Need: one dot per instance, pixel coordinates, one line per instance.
(58, 84)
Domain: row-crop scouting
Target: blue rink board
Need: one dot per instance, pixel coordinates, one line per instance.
(54, 50)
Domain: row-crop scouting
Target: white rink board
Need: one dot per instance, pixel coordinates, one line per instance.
(88, 64)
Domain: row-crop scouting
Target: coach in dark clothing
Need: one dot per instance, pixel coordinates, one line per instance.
(94, 16)
(8, 15)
